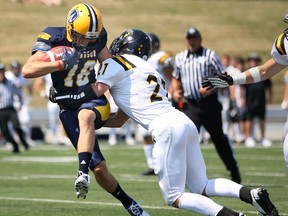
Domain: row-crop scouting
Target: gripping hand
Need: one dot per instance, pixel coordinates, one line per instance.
(220, 81)
(75, 98)
(52, 93)
(69, 59)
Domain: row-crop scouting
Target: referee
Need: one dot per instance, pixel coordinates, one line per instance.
(201, 106)
(8, 92)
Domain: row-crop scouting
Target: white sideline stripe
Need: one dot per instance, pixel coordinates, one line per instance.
(80, 202)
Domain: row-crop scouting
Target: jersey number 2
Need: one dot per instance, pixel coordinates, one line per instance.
(155, 96)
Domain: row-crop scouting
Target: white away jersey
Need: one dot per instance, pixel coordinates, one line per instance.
(159, 61)
(136, 87)
(279, 50)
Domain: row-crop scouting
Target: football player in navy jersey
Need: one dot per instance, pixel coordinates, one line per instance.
(85, 33)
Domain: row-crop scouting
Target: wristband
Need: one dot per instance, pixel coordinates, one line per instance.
(255, 73)
(59, 65)
(239, 79)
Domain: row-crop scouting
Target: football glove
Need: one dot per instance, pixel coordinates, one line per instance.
(52, 93)
(219, 81)
(73, 99)
(69, 59)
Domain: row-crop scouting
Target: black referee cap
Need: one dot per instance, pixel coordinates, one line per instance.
(193, 32)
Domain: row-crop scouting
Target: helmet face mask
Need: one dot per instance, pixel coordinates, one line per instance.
(132, 41)
(84, 24)
(80, 41)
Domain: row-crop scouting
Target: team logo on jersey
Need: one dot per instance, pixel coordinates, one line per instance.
(73, 16)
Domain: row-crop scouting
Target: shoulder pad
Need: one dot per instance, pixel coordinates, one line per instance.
(127, 65)
(52, 34)
(279, 44)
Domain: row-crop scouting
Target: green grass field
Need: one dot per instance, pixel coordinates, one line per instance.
(40, 182)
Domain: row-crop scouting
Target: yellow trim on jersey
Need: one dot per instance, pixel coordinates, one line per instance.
(280, 44)
(164, 57)
(124, 62)
(44, 36)
(104, 111)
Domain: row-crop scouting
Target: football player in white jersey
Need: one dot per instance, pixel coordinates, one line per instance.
(138, 91)
(162, 61)
(274, 65)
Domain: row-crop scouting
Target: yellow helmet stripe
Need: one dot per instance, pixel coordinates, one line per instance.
(124, 62)
(279, 44)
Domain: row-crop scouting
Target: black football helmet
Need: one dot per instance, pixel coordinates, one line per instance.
(132, 41)
(155, 42)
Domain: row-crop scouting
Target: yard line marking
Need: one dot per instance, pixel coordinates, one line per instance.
(124, 177)
(48, 159)
(273, 174)
(79, 202)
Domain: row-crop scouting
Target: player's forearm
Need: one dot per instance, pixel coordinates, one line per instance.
(258, 74)
(115, 121)
(39, 68)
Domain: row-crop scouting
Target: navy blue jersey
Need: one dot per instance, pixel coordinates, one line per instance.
(81, 74)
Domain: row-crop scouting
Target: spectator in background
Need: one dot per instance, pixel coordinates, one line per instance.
(26, 89)
(237, 102)
(257, 97)
(8, 93)
(224, 95)
(203, 107)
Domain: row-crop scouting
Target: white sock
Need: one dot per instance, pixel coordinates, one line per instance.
(222, 187)
(148, 148)
(199, 204)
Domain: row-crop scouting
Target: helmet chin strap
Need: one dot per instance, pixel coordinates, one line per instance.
(76, 45)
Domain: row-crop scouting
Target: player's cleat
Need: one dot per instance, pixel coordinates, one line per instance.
(261, 201)
(135, 210)
(82, 185)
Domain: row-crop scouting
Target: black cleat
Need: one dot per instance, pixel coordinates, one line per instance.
(261, 201)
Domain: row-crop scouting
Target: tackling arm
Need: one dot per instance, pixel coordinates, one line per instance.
(117, 120)
(74, 98)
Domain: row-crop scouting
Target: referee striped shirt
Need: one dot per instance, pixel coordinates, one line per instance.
(192, 68)
(7, 93)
